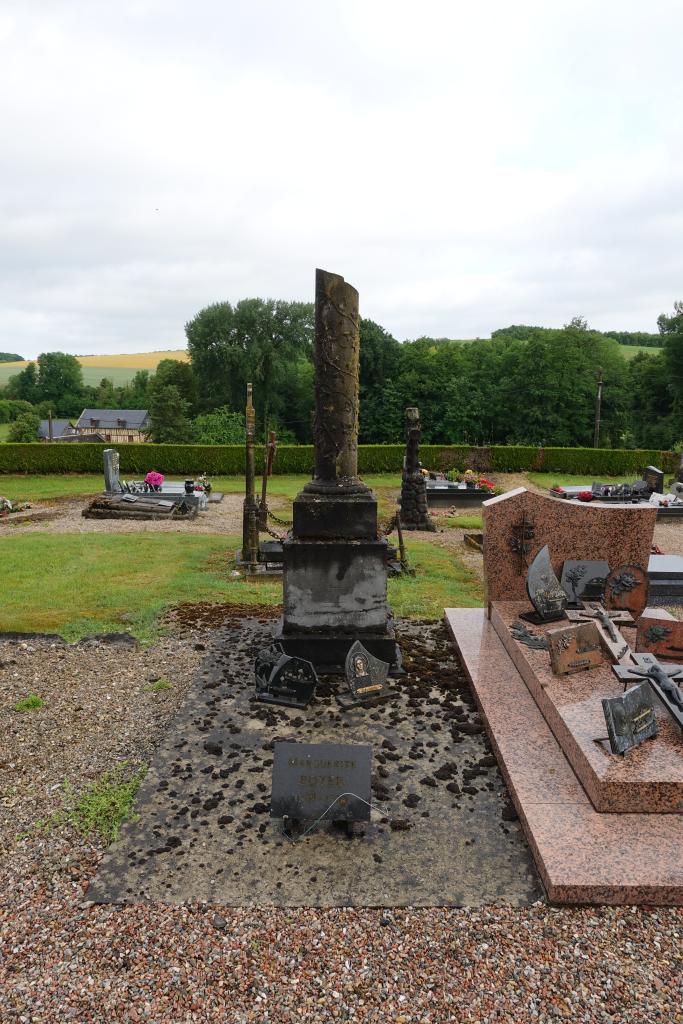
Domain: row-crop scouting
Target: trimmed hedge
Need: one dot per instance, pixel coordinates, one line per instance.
(228, 460)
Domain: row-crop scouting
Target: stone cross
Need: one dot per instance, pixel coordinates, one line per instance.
(607, 623)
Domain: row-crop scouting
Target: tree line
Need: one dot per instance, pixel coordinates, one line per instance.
(524, 385)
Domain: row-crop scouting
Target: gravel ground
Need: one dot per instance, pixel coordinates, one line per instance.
(222, 517)
(64, 959)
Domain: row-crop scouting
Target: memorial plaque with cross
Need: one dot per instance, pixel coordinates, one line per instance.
(607, 623)
(321, 780)
(665, 681)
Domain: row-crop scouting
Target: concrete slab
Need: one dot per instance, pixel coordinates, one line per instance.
(440, 831)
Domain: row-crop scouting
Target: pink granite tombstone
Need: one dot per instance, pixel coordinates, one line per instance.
(519, 523)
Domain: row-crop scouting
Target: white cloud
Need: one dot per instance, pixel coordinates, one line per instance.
(464, 166)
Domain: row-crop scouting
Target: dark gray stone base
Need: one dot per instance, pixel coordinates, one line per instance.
(335, 587)
(441, 831)
(349, 516)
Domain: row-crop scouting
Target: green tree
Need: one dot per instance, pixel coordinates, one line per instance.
(10, 357)
(168, 414)
(219, 427)
(671, 330)
(59, 375)
(252, 341)
(380, 361)
(25, 428)
(135, 394)
(179, 375)
(105, 395)
(24, 385)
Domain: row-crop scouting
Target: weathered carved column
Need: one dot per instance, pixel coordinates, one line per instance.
(335, 565)
(336, 503)
(336, 360)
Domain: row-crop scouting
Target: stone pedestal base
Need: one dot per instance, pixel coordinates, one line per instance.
(352, 516)
(335, 592)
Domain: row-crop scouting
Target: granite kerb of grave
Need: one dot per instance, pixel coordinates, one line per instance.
(649, 780)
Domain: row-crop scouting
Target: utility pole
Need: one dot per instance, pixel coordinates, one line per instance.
(598, 403)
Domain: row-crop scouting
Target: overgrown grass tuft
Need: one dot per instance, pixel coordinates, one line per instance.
(101, 807)
(159, 686)
(30, 703)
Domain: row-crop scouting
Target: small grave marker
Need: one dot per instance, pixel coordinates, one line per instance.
(574, 648)
(663, 679)
(366, 677)
(281, 679)
(321, 780)
(607, 623)
(584, 579)
(661, 637)
(544, 590)
(630, 718)
(626, 589)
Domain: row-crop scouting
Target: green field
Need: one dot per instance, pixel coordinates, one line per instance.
(4, 431)
(631, 351)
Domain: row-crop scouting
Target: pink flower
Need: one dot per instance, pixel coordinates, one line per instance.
(154, 479)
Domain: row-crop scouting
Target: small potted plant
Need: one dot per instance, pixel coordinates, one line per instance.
(470, 479)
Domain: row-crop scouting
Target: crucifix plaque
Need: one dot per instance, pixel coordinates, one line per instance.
(665, 681)
(607, 623)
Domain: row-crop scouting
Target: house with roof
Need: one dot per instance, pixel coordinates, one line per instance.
(121, 426)
(60, 430)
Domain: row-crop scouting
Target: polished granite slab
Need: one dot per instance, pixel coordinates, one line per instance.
(593, 531)
(647, 779)
(583, 856)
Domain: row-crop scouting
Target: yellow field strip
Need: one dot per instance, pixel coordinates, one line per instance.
(137, 360)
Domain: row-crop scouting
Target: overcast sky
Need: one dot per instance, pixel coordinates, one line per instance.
(464, 165)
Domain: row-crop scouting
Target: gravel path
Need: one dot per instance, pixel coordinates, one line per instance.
(64, 959)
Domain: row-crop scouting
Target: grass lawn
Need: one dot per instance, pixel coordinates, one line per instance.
(474, 521)
(62, 485)
(75, 585)
(564, 480)
(26, 487)
(4, 431)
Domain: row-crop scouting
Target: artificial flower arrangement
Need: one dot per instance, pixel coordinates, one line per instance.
(585, 495)
(154, 479)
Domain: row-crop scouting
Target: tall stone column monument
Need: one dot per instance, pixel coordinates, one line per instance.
(335, 565)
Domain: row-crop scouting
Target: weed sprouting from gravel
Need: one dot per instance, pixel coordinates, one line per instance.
(102, 806)
(161, 684)
(99, 809)
(30, 703)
